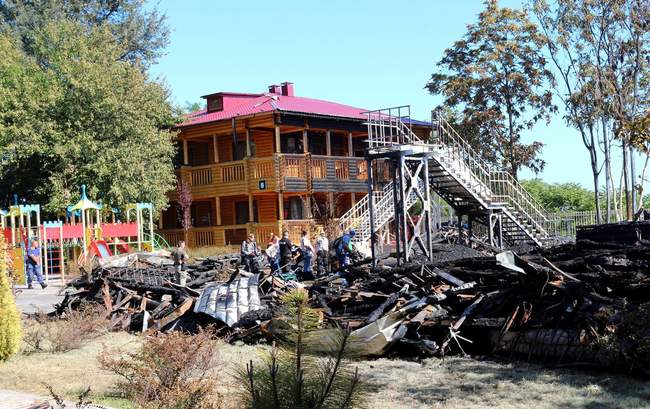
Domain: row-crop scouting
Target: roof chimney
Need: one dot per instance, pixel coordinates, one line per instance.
(287, 89)
(275, 89)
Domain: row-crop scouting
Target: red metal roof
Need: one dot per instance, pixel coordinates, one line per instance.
(276, 102)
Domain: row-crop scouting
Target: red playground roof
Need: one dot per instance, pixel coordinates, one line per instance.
(253, 104)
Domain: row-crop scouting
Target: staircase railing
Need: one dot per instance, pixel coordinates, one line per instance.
(359, 210)
(507, 189)
(460, 150)
(390, 126)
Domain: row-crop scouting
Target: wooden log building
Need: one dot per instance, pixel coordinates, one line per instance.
(267, 162)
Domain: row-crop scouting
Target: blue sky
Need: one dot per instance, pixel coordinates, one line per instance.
(370, 54)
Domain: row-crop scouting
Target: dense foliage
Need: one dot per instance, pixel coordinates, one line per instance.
(497, 76)
(78, 107)
(10, 328)
(560, 196)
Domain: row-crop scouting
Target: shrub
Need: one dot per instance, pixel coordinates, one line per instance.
(303, 372)
(168, 371)
(66, 333)
(10, 329)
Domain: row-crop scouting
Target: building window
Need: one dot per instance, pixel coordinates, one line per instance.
(215, 104)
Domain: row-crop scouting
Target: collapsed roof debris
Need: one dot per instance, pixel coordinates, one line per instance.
(576, 303)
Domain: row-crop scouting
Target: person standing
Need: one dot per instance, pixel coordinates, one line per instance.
(285, 246)
(322, 253)
(33, 264)
(250, 250)
(307, 255)
(273, 253)
(180, 257)
(345, 248)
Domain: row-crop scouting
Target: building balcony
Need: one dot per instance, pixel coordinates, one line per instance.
(280, 172)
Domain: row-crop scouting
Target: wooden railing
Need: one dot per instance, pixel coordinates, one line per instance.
(222, 235)
(275, 169)
(200, 176)
(295, 167)
(319, 168)
(262, 168)
(235, 172)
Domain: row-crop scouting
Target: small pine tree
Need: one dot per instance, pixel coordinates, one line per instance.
(10, 329)
(308, 370)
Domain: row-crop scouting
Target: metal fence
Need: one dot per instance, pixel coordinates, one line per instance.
(563, 224)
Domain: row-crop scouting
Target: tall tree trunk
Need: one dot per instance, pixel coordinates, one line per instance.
(595, 171)
(626, 183)
(608, 172)
(633, 188)
(642, 180)
(513, 164)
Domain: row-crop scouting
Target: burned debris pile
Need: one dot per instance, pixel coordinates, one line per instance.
(584, 303)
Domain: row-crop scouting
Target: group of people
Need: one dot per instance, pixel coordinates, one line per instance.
(279, 252)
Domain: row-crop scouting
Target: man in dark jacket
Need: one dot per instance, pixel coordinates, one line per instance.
(285, 252)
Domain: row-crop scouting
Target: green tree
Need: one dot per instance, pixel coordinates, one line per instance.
(97, 120)
(560, 196)
(497, 74)
(142, 31)
(10, 330)
(300, 374)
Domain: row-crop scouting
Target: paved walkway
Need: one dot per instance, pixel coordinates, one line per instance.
(38, 299)
(20, 400)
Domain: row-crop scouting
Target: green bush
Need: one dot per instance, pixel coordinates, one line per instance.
(304, 372)
(10, 330)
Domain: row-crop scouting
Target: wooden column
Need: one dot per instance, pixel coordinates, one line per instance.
(328, 143)
(248, 143)
(160, 220)
(353, 196)
(277, 139)
(330, 204)
(186, 158)
(251, 216)
(350, 153)
(305, 142)
(280, 207)
(215, 149)
(217, 207)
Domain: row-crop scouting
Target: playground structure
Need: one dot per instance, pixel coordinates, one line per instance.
(82, 234)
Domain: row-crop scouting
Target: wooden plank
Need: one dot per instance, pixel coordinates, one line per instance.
(177, 313)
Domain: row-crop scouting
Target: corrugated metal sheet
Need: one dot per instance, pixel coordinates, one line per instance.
(272, 102)
(227, 302)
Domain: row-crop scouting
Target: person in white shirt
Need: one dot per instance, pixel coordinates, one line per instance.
(322, 253)
(307, 255)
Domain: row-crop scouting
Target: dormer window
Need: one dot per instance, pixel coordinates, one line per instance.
(215, 104)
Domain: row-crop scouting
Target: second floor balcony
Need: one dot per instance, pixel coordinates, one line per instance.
(280, 172)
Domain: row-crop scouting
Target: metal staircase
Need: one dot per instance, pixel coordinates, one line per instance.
(456, 173)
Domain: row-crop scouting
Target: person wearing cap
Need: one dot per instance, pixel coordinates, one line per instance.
(322, 253)
(345, 248)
